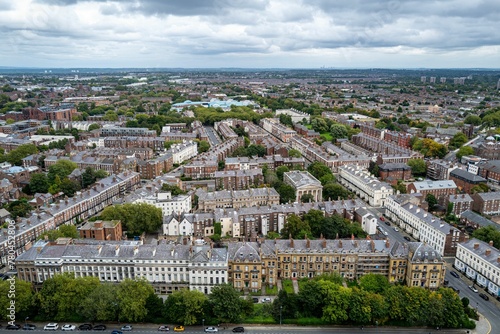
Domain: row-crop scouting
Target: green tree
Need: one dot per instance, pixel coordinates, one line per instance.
(61, 168)
(39, 183)
(311, 298)
(16, 156)
(203, 146)
(432, 201)
(286, 120)
(280, 171)
(64, 231)
(487, 234)
(318, 170)
(19, 208)
(287, 193)
(24, 297)
(101, 304)
(185, 307)
(132, 296)
(338, 131)
(458, 140)
(418, 167)
(464, 150)
(472, 119)
(306, 198)
(174, 190)
(226, 304)
(94, 126)
(69, 187)
(295, 227)
(337, 299)
(88, 177)
(135, 217)
(334, 191)
(293, 153)
(360, 311)
(374, 283)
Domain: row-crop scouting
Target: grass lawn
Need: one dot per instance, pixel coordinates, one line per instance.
(309, 126)
(327, 136)
(258, 293)
(287, 285)
(261, 315)
(301, 283)
(272, 291)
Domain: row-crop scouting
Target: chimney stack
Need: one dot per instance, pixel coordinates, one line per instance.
(488, 252)
(476, 246)
(491, 243)
(387, 243)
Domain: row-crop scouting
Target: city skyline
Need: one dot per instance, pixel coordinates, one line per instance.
(257, 34)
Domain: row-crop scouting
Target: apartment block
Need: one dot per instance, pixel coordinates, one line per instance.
(365, 185)
(208, 201)
(465, 181)
(238, 179)
(487, 203)
(102, 230)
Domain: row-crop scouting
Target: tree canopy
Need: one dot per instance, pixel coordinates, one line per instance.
(136, 218)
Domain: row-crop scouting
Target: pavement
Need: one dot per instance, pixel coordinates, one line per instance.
(482, 326)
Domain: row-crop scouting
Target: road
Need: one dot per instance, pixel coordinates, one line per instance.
(452, 155)
(284, 330)
(212, 136)
(489, 309)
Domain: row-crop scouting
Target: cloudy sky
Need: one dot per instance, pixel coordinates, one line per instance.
(250, 33)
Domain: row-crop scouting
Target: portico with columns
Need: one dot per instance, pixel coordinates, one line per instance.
(304, 183)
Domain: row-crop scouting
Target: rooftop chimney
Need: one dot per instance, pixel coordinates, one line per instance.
(491, 243)
(291, 241)
(476, 246)
(136, 250)
(488, 252)
(117, 250)
(387, 243)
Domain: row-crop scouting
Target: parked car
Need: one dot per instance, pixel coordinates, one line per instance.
(68, 327)
(99, 327)
(473, 288)
(454, 274)
(211, 330)
(454, 289)
(116, 332)
(266, 300)
(485, 297)
(238, 330)
(179, 329)
(396, 229)
(382, 218)
(407, 238)
(446, 282)
(85, 327)
(387, 223)
(29, 327)
(53, 326)
(126, 328)
(13, 327)
(164, 328)
(255, 299)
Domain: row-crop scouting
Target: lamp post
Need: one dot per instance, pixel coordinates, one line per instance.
(26, 322)
(203, 323)
(281, 308)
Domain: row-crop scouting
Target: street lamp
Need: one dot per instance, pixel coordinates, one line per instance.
(281, 308)
(203, 323)
(26, 322)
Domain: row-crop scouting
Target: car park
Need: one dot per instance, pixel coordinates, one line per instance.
(85, 327)
(179, 329)
(164, 328)
(13, 327)
(68, 327)
(211, 330)
(473, 288)
(29, 327)
(53, 326)
(238, 329)
(484, 296)
(454, 274)
(126, 328)
(99, 327)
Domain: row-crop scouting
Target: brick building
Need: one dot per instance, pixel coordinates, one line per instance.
(487, 203)
(394, 171)
(464, 180)
(440, 189)
(238, 179)
(102, 230)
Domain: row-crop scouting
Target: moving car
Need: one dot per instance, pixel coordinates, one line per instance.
(53, 326)
(179, 329)
(68, 327)
(211, 330)
(454, 274)
(85, 327)
(238, 330)
(29, 327)
(100, 327)
(164, 328)
(126, 328)
(13, 327)
(485, 297)
(473, 288)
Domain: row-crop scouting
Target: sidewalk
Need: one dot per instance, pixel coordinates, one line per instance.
(482, 326)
